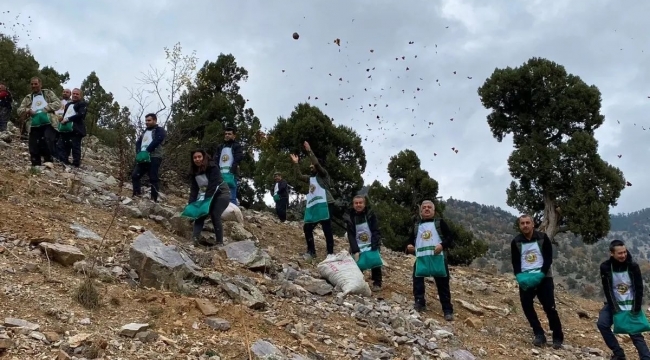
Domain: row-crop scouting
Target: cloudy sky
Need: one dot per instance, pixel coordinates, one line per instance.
(456, 46)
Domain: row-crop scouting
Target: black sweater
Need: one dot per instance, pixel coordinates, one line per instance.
(78, 120)
(283, 189)
(237, 155)
(353, 218)
(445, 237)
(635, 275)
(547, 251)
(215, 183)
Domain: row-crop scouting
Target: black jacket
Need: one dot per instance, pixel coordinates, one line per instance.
(216, 184)
(353, 218)
(446, 237)
(237, 155)
(635, 275)
(547, 251)
(159, 135)
(283, 189)
(78, 125)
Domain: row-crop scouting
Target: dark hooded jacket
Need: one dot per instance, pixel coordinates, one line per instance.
(237, 155)
(446, 237)
(78, 120)
(353, 218)
(635, 275)
(216, 185)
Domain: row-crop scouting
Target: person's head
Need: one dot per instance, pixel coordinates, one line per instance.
(200, 161)
(66, 94)
(359, 203)
(277, 176)
(229, 133)
(151, 120)
(76, 94)
(526, 224)
(427, 209)
(618, 250)
(36, 84)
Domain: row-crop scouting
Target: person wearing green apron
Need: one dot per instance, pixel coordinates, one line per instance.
(209, 196)
(72, 129)
(38, 108)
(429, 240)
(319, 202)
(149, 156)
(229, 155)
(280, 196)
(364, 236)
(532, 253)
(623, 287)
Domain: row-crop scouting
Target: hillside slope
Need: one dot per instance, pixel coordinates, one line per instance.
(243, 313)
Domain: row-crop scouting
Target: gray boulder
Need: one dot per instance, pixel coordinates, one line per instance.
(248, 254)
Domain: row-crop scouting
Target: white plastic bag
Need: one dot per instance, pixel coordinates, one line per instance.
(232, 213)
(342, 271)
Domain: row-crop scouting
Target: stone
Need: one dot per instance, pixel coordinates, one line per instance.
(83, 232)
(265, 350)
(181, 226)
(462, 355)
(12, 322)
(146, 336)
(159, 265)
(248, 254)
(471, 307)
(131, 329)
(6, 344)
(244, 293)
(65, 255)
(314, 286)
(218, 324)
(206, 307)
(238, 232)
(473, 322)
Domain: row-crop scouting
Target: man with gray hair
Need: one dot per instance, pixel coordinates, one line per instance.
(429, 239)
(532, 254)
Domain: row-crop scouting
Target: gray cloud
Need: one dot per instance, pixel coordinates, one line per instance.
(604, 43)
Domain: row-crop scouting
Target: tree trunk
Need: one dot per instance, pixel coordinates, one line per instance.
(551, 217)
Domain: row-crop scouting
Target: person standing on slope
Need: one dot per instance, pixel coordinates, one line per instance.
(532, 251)
(280, 196)
(431, 232)
(363, 231)
(623, 288)
(319, 202)
(230, 154)
(72, 129)
(149, 150)
(38, 109)
(207, 184)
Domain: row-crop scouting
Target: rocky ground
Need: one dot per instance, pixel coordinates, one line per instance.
(154, 296)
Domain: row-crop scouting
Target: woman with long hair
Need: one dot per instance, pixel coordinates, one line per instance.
(209, 196)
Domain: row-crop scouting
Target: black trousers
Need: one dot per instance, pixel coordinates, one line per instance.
(217, 207)
(545, 292)
(281, 209)
(69, 142)
(151, 169)
(39, 149)
(444, 291)
(327, 231)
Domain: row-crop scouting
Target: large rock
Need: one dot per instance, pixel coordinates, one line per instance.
(263, 349)
(248, 254)
(314, 286)
(237, 231)
(65, 255)
(83, 232)
(159, 265)
(181, 226)
(244, 293)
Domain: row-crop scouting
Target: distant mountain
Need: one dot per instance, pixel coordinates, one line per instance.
(576, 265)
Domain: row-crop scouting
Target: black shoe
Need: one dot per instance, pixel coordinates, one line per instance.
(618, 357)
(557, 344)
(540, 340)
(419, 307)
(376, 287)
(449, 317)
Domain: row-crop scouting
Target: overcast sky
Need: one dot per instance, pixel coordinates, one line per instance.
(456, 46)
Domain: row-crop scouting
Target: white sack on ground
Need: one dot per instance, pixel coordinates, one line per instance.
(233, 213)
(342, 271)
